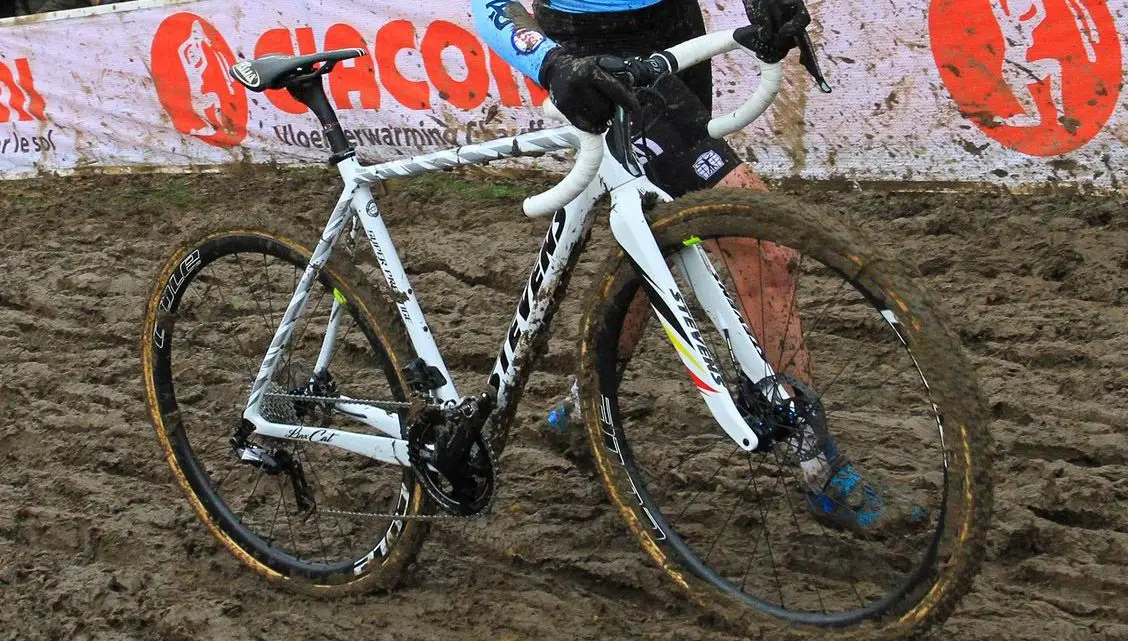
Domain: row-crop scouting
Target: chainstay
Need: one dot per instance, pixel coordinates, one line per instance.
(485, 511)
(402, 405)
(385, 405)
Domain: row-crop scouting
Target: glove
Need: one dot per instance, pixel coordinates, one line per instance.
(583, 91)
(775, 27)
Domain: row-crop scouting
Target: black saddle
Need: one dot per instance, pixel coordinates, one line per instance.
(277, 71)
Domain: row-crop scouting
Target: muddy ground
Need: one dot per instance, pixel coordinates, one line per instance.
(96, 541)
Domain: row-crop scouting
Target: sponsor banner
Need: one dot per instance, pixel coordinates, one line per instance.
(1009, 91)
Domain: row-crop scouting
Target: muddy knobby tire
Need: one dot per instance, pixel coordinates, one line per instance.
(383, 567)
(887, 284)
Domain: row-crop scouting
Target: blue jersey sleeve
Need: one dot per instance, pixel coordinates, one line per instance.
(508, 29)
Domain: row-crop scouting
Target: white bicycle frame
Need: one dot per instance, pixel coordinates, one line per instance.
(571, 204)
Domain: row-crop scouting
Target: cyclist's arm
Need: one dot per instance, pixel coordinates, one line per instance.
(508, 29)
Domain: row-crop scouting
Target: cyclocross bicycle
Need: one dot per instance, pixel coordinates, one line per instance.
(317, 430)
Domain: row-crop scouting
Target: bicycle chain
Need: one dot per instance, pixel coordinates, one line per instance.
(402, 405)
(389, 405)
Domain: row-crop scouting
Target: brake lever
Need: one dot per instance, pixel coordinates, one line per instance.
(635, 72)
(809, 61)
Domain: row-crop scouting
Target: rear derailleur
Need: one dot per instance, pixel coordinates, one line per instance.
(274, 462)
(279, 460)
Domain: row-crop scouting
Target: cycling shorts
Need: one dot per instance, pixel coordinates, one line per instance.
(679, 153)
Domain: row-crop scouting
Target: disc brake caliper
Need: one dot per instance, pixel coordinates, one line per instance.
(781, 408)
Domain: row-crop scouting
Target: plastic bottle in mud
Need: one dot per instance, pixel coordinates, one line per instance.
(566, 411)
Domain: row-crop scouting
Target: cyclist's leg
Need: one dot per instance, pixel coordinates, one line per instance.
(765, 289)
(682, 157)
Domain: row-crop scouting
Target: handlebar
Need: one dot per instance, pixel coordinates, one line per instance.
(642, 73)
(588, 158)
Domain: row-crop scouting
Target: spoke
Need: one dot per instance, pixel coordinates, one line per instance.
(266, 285)
(728, 520)
(718, 440)
(809, 328)
(760, 257)
(896, 372)
(790, 314)
(799, 529)
(242, 346)
(273, 521)
(845, 570)
(210, 443)
(322, 493)
(289, 522)
(317, 528)
(293, 344)
(711, 478)
(246, 279)
(763, 518)
(767, 537)
(850, 365)
(247, 503)
(216, 485)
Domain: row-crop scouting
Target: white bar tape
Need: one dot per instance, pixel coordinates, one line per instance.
(551, 110)
(588, 159)
(770, 76)
(703, 48)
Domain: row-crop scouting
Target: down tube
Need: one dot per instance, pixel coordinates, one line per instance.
(561, 241)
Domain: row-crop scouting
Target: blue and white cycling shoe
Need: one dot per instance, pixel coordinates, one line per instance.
(848, 502)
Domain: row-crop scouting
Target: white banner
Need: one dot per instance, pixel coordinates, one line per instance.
(1008, 91)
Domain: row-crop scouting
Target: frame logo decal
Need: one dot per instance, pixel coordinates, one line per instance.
(536, 279)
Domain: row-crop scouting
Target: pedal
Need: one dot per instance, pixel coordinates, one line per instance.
(422, 377)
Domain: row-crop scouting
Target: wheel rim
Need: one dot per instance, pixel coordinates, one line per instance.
(795, 586)
(214, 340)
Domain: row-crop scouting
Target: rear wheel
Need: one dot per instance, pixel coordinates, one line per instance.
(876, 374)
(210, 318)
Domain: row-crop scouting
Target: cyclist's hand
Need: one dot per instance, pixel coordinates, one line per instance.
(775, 27)
(582, 91)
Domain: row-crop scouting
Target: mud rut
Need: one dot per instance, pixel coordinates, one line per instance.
(96, 542)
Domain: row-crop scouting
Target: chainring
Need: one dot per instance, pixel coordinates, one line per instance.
(464, 489)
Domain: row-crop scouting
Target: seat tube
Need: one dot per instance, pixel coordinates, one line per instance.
(402, 292)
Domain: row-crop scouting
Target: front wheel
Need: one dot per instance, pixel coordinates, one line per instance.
(867, 517)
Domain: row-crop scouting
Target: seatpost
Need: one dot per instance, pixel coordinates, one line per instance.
(311, 93)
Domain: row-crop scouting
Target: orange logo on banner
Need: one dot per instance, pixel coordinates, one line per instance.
(20, 99)
(190, 64)
(1040, 76)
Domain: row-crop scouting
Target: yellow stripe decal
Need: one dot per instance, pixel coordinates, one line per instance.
(677, 341)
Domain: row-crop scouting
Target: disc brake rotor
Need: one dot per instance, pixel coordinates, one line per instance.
(793, 415)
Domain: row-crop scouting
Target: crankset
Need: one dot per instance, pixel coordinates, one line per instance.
(796, 419)
(450, 458)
